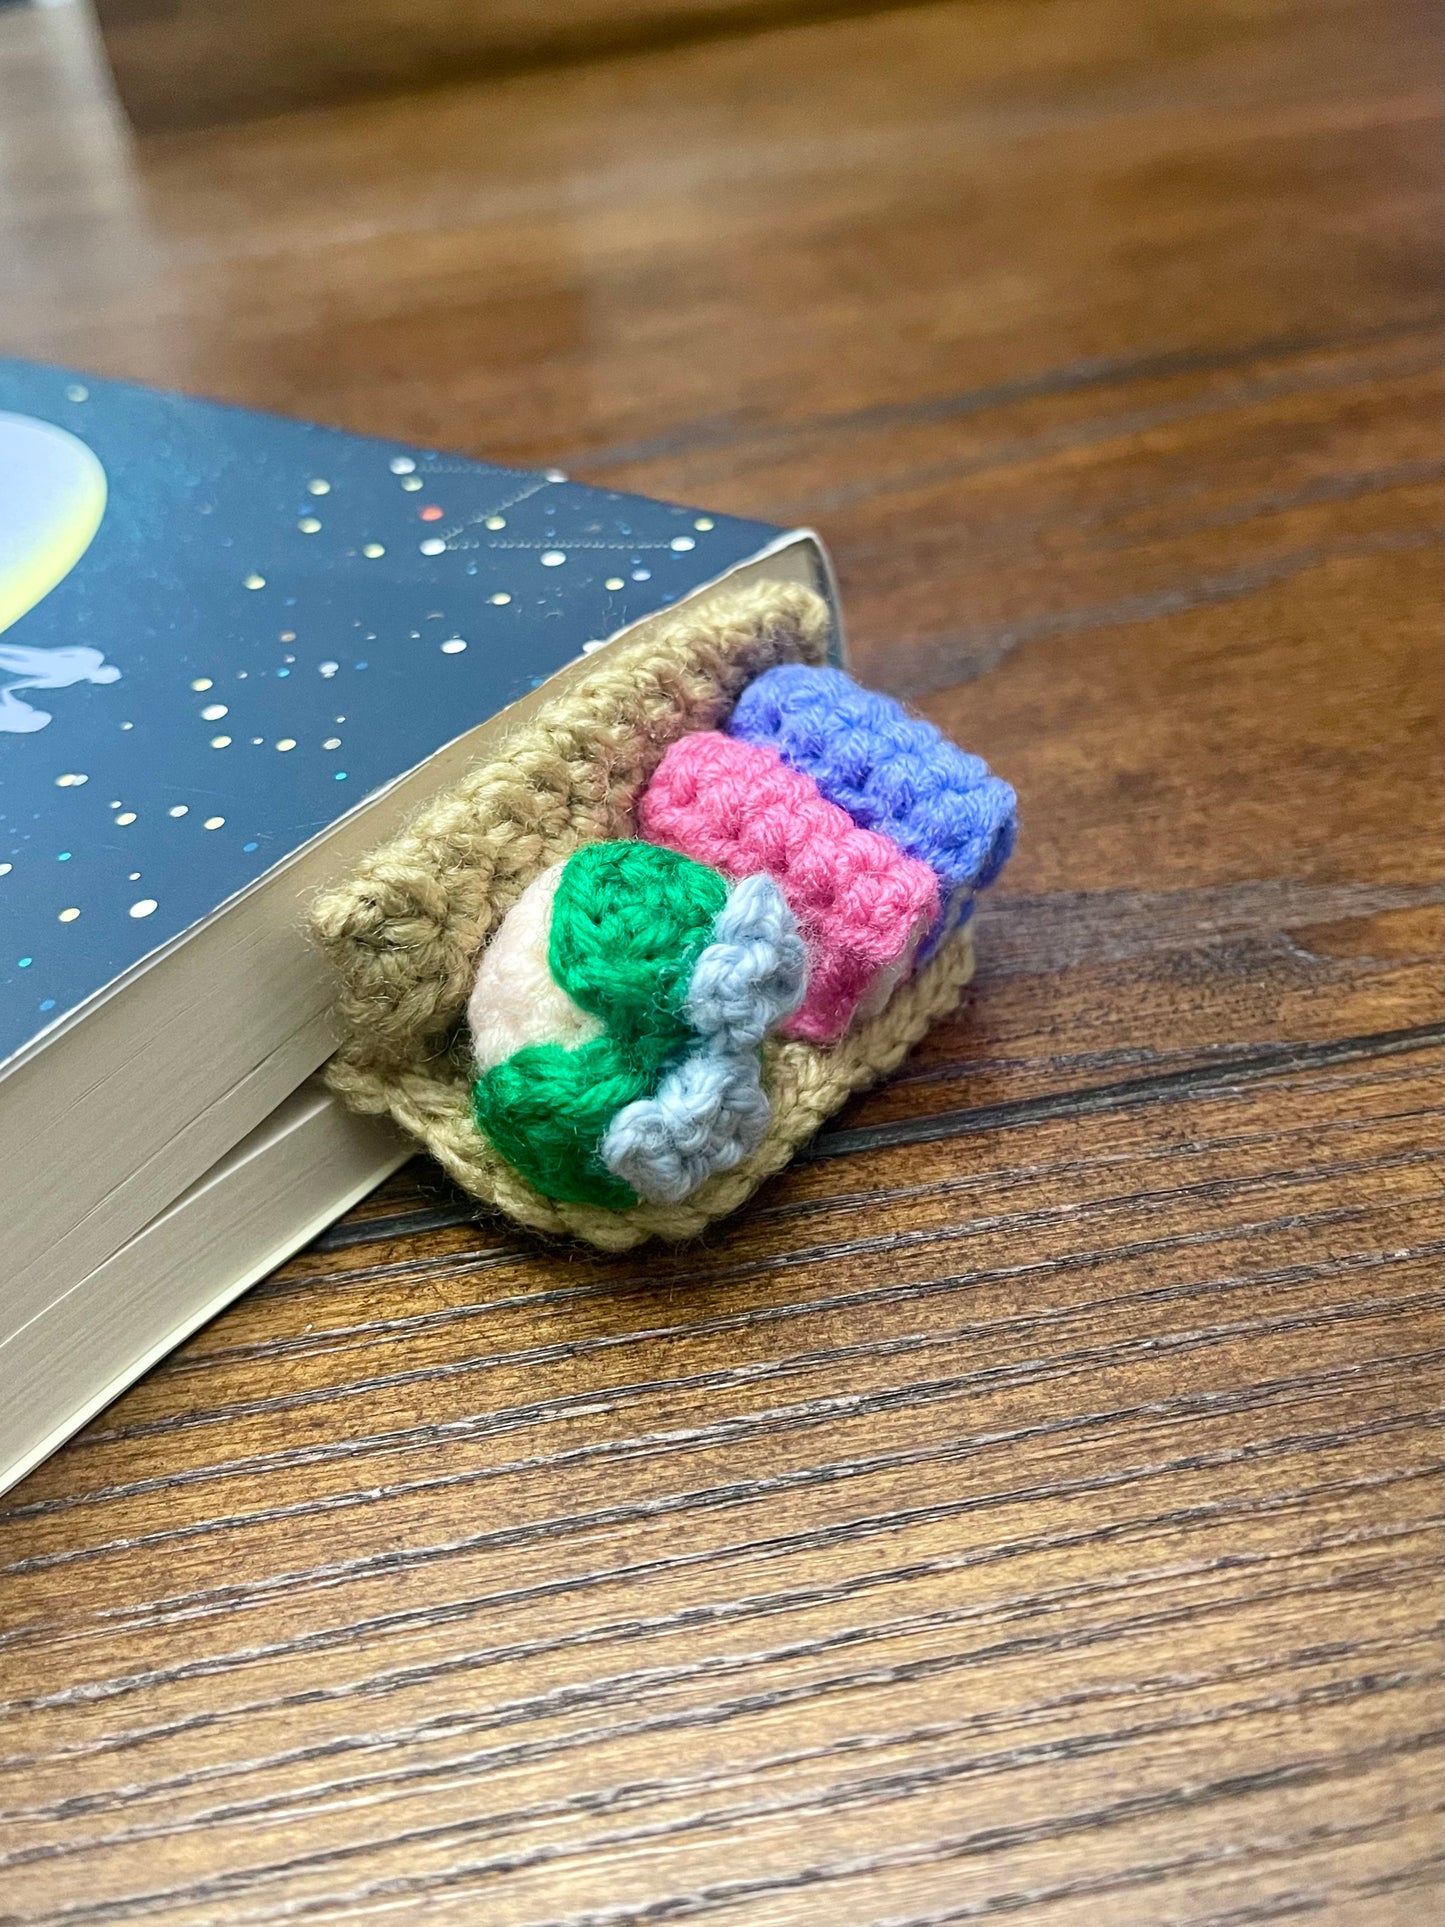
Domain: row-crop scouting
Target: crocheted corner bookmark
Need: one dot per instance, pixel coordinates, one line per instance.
(624, 970)
(785, 878)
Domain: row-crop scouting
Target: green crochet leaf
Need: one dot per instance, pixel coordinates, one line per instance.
(546, 1109)
(628, 923)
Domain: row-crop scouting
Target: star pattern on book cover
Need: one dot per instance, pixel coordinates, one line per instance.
(220, 631)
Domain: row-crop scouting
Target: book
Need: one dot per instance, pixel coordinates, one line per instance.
(236, 651)
(281, 1185)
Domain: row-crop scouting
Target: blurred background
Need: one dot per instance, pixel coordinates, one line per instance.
(186, 62)
(962, 283)
(1029, 1508)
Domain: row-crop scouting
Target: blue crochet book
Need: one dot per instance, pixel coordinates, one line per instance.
(234, 652)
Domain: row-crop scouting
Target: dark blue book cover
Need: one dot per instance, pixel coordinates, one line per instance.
(220, 631)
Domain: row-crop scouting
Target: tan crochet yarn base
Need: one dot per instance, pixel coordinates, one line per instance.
(405, 931)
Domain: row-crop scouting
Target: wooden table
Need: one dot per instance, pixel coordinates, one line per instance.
(1027, 1509)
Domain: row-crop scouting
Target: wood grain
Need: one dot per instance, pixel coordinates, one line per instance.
(1030, 1509)
(190, 63)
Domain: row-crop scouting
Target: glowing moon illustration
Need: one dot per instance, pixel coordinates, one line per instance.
(52, 496)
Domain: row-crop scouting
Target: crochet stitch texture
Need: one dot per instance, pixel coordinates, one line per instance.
(406, 929)
(709, 1111)
(628, 924)
(710, 1108)
(516, 1000)
(891, 771)
(860, 902)
(541, 1098)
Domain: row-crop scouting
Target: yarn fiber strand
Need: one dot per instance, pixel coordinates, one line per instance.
(710, 1109)
(628, 923)
(859, 900)
(891, 771)
(516, 1000)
